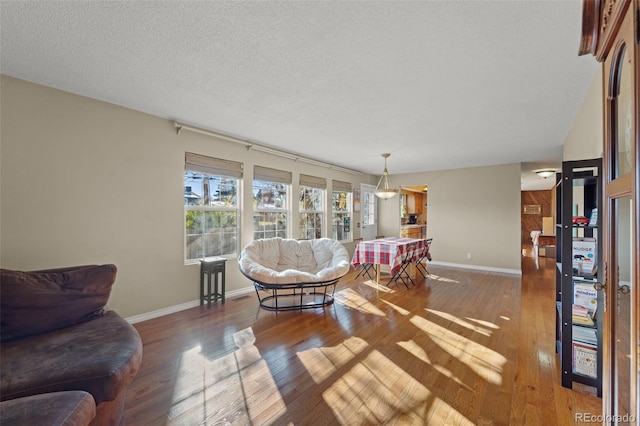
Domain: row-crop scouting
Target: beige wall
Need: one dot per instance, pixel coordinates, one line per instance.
(86, 182)
(472, 210)
(584, 141)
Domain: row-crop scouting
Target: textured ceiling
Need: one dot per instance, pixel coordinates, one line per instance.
(438, 84)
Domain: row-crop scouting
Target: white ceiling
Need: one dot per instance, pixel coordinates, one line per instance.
(438, 84)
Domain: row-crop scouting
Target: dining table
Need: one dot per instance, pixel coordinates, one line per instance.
(392, 251)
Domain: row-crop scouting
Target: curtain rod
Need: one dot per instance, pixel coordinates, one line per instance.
(251, 145)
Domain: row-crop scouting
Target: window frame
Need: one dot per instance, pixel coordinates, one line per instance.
(263, 212)
(337, 216)
(319, 214)
(208, 168)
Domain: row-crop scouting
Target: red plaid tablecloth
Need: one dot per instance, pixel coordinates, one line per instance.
(389, 251)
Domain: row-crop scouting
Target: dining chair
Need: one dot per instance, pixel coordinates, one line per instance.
(402, 274)
(421, 267)
(365, 268)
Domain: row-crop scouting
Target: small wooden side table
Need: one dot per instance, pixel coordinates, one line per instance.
(212, 266)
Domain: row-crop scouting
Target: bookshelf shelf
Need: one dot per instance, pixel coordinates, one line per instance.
(578, 260)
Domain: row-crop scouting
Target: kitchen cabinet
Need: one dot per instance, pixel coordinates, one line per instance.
(413, 202)
(417, 197)
(412, 231)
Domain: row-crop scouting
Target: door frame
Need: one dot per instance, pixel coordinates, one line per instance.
(621, 41)
(368, 232)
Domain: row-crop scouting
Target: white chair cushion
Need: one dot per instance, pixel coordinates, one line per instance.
(287, 261)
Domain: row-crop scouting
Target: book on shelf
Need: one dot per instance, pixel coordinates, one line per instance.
(593, 220)
(584, 259)
(581, 315)
(585, 335)
(585, 296)
(585, 359)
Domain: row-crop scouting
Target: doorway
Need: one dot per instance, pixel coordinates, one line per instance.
(413, 211)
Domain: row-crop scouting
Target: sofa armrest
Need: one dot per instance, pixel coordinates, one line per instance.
(100, 357)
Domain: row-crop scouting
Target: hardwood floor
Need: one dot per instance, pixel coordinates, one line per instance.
(462, 347)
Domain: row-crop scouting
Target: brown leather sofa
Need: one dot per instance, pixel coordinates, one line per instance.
(56, 336)
(70, 408)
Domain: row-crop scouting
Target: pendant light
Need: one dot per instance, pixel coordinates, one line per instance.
(384, 189)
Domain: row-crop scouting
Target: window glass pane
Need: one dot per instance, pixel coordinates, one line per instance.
(223, 191)
(269, 225)
(341, 215)
(368, 209)
(311, 199)
(310, 225)
(211, 215)
(624, 119)
(311, 205)
(269, 195)
(270, 209)
(193, 189)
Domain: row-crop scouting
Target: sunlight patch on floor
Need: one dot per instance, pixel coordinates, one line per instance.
(261, 394)
(199, 381)
(379, 287)
(460, 322)
(449, 375)
(352, 299)
(214, 385)
(484, 323)
(442, 279)
(377, 391)
(485, 362)
(244, 337)
(397, 308)
(416, 350)
(323, 362)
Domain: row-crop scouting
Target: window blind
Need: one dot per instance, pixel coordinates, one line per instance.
(212, 166)
(313, 181)
(271, 175)
(340, 186)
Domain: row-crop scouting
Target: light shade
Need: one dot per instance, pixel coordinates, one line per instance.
(545, 173)
(384, 189)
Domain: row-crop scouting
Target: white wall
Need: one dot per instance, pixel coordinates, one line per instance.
(84, 182)
(473, 210)
(584, 140)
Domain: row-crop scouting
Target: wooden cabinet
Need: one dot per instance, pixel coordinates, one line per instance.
(611, 33)
(418, 202)
(414, 202)
(411, 232)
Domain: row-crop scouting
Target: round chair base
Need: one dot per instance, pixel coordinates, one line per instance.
(287, 297)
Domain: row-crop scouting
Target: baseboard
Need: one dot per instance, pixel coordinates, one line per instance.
(192, 304)
(181, 307)
(477, 267)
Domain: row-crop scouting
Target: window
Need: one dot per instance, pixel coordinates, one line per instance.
(369, 209)
(341, 201)
(210, 207)
(311, 206)
(270, 202)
